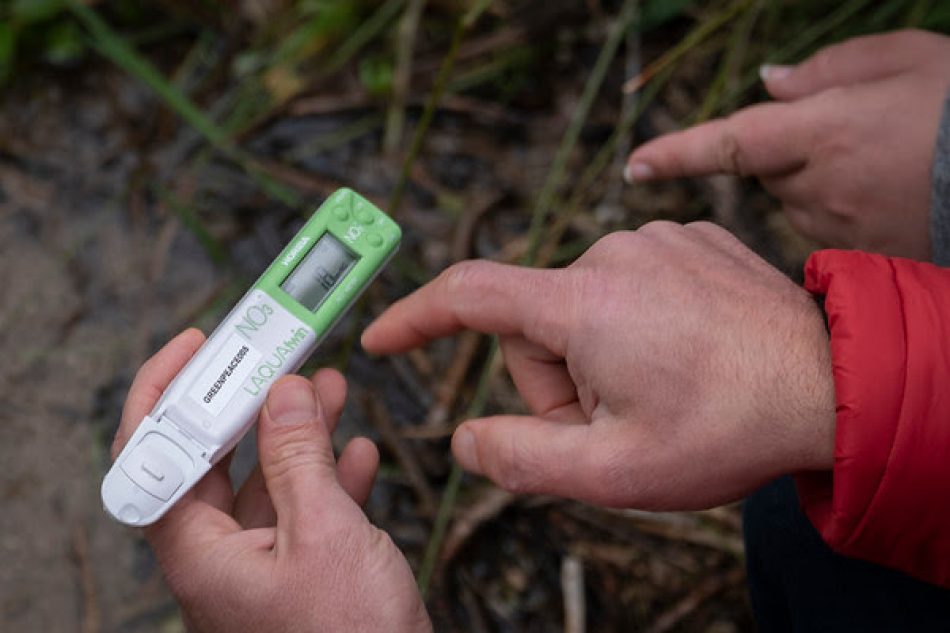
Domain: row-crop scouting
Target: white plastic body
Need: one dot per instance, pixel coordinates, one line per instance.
(207, 409)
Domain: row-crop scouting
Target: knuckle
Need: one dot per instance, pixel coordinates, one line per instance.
(610, 246)
(840, 207)
(632, 484)
(464, 277)
(552, 326)
(656, 237)
(729, 156)
(711, 230)
(614, 241)
(633, 247)
(515, 467)
(345, 547)
(612, 463)
(659, 229)
(703, 226)
(293, 450)
(823, 62)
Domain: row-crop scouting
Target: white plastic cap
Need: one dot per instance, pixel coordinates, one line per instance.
(151, 473)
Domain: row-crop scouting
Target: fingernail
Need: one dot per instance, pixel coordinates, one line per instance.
(773, 72)
(465, 451)
(637, 172)
(292, 402)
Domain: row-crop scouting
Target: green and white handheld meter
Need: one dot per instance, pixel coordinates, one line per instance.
(272, 330)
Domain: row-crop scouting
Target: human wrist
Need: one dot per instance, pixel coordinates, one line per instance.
(813, 411)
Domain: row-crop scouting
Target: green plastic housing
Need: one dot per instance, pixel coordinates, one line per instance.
(359, 225)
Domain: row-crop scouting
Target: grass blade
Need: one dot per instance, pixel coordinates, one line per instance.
(114, 48)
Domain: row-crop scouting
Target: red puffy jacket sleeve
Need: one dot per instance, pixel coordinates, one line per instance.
(888, 497)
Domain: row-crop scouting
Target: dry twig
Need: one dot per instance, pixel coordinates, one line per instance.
(682, 526)
(572, 588)
(490, 503)
(447, 391)
(379, 416)
(695, 599)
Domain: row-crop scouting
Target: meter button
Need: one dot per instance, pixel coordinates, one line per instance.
(340, 213)
(374, 239)
(363, 214)
(152, 470)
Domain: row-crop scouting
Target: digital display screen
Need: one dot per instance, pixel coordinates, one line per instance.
(319, 272)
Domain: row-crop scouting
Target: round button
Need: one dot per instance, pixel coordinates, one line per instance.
(374, 239)
(340, 213)
(363, 214)
(130, 514)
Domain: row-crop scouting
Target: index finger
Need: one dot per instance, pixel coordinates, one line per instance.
(762, 140)
(152, 379)
(479, 295)
(854, 61)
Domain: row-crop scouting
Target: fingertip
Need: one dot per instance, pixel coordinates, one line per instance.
(192, 334)
(639, 171)
(357, 468)
(295, 454)
(151, 380)
(774, 72)
(370, 339)
(366, 446)
(185, 342)
(366, 338)
(168, 360)
(291, 401)
(331, 389)
(665, 157)
(329, 380)
(775, 78)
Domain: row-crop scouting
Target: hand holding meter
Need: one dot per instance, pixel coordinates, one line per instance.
(271, 331)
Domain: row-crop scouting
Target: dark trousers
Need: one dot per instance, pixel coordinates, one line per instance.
(797, 583)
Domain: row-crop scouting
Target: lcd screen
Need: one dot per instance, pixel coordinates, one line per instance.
(319, 272)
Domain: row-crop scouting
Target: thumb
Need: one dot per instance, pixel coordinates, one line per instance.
(524, 454)
(854, 61)
(296, 455)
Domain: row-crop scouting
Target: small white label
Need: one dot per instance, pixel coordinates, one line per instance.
(353, 233)
(224, 374)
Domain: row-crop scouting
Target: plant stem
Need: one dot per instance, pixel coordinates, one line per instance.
(450, 493)
(435, 95)
(396, 114)
(111, 46)
(477, 407)
(555, 177)
(697, 35)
